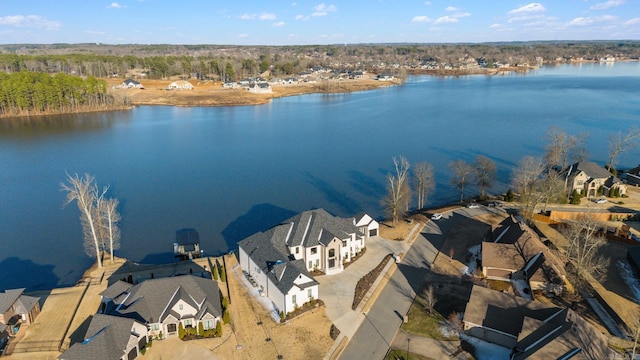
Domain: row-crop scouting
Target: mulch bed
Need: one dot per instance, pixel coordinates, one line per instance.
(365, 283)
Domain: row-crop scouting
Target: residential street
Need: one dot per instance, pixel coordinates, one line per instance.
(376, 333)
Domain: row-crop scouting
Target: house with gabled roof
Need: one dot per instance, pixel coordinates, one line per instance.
(281, 259)
(17, 309)
(515, 251)
(531, 329)
(108, 338)
(163, 304)
(130, 84)
(587, 178)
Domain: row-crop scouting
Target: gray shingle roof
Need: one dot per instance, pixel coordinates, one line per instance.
(147, 301)
(592, 170)
(25, 304)
(8, 298)
(106, 338)
(314, 227)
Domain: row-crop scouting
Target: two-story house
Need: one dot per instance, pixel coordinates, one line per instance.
(588, 177)
(282, 258)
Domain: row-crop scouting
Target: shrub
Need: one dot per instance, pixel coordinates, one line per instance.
(201, 329)
(226, 317)
(218, 329)
(225, 303)
(509, 196)
(282, 316)
(180, 331)
(223, 274)
(160, 335)
(215, 272)
(575, 197)
(143, 350)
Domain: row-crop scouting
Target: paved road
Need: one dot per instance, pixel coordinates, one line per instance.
(376, 333)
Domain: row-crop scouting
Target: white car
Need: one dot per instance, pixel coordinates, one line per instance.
(601, 201)
(473, 206)
(436, 216)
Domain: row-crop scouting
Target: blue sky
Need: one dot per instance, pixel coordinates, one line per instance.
(248, 22)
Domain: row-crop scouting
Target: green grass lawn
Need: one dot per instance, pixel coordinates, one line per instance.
(424, 324)
(396, 354)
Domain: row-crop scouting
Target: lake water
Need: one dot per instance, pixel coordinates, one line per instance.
(232, 171)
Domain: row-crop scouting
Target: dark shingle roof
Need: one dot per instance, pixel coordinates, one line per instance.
(315, 227)
(147, 301)
(187, 237)
(106, 338)
(592, 170)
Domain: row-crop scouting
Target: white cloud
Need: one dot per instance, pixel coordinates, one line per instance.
(248, 16)
(529, 8)
(93, 32)
(34, 21)
(607, 4)
(242, 36)
(267, 16)
(302, 17)
(446, 20)
(495, 26)
(323, 9)
(115, 5)
(633, 21)
(461, 14)
(294, 4)
(279, 24)
(428, 3)
(451, 8)
(420, 19)
(584, 21)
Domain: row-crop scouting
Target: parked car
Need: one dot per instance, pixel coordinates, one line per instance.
(436, 216)
(600, 201)
(473, 206)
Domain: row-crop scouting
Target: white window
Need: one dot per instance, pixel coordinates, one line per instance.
(187, 322)
(297, 250)
(180, 306)
(155, 327)
(208, 324)
(310, 264)
(309, 293)
(293, 299)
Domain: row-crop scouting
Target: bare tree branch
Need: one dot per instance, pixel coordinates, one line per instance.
(462, 172)
(424, 182)
(396, 202)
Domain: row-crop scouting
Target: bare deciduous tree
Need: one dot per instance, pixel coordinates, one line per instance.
(84, 191)
(552, 187)
(525, 179)
(462, 173)
(396, 201)
(485, 173)
(111, 217)
(620, 143)
(424, 182)
(585, 239)
(558, 148)
(429, 298)
(579, 151)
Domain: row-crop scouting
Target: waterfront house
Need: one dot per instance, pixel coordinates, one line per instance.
(163, 304)
(632, 176)
(588, 178)
(260, 88)
(384, 77)
(281, 259)
(187, 245)
(17, 309)
(107, 338)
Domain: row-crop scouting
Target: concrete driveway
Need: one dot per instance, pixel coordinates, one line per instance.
(337, 290)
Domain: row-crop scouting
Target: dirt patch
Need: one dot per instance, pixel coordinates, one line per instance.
(213, 94)
(398, 232)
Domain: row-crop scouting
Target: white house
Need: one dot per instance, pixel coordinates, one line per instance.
(260, 88)
(130, 84)
(163, 304)
(280, 259)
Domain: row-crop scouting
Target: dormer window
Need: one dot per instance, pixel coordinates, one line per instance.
(297, 250)
(314, 250)
(180, 306)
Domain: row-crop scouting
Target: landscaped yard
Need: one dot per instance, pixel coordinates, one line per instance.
(420, 322)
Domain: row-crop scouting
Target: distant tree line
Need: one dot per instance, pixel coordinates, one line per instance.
(25, 93)
(232, 62)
